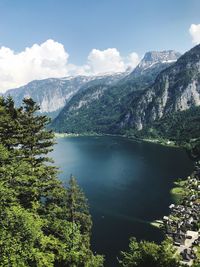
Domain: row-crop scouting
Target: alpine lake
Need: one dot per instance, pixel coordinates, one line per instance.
(127, 184)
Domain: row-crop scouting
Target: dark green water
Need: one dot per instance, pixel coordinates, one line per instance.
(127, 184)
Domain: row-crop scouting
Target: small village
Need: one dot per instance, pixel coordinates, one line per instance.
(183, 222)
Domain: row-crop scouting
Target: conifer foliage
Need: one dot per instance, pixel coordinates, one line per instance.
(42, 223)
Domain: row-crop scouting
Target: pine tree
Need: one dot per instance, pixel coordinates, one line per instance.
(9, 126)
(36, 141)
(78, 206)
(38, 216)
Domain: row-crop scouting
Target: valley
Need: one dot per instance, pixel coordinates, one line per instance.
(157, 102)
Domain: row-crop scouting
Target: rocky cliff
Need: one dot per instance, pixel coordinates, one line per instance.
(175, 89)
(52, 94)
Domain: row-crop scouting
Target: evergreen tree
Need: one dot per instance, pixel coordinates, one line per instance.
(36, 141)
(9, 126)
(35, 224)
(78, 206)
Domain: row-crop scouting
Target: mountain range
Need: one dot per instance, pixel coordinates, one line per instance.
(52, 94)
(163, 83)
(99, 108)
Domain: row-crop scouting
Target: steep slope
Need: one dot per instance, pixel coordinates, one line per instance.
(98, 108)
(175, 89)
(52, 94)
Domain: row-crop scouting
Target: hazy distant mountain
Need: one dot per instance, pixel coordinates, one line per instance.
(99, 107)
(52, 94)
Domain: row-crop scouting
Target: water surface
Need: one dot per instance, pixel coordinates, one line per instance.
(127, 184)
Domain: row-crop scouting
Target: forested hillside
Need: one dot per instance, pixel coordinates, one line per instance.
(180, 126)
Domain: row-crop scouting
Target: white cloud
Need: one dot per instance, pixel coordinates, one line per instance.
(108, 60)
(133, 60)
(50, 59)
(37, 62)
(105, 61)
(195, 33)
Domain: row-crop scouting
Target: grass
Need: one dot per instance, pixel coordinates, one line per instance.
(178, 194)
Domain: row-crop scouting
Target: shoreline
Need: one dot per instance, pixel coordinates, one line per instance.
(158, 223)
(185, 199)
(166, 143)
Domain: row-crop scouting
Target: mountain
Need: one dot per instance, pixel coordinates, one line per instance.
(176, 88)
(99, 108)
(155, 61)
(52, 94)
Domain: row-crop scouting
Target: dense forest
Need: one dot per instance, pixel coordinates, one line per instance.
(181, 126)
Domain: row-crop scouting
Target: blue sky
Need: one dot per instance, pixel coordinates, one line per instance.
(82, 25)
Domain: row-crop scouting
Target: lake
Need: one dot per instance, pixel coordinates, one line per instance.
(127, 184)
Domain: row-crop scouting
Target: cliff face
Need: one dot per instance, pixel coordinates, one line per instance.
(155, 61)
(52, 94)
(175, 89)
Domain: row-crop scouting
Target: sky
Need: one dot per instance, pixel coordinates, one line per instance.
(56, 38)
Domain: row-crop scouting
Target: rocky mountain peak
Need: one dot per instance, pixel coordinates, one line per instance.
(155, 61)
(154, 57)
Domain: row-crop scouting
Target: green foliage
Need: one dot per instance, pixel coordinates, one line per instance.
(34, 139)
(193, 147)
(35, 224)
(22, 241)
(149, 254)
(178, 194)
(180, 126)
(78, 211)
